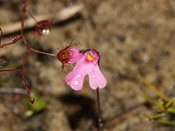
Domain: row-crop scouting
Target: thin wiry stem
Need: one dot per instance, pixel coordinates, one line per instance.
(28, 48)
(0, 35)
(26, 53)
(41, 52)
(28, 11)
(27, 87)
(23, 16)
(99, 111)
(13, 41)
(18, 70)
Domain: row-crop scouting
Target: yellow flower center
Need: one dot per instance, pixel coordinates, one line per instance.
(90, 58)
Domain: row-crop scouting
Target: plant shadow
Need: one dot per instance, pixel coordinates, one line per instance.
(86, 109)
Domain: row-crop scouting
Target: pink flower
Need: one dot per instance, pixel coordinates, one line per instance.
(86, 64)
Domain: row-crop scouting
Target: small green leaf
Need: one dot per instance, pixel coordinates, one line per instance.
(171, 109)
(38, 105)
(166, 122)
(170, 103)
(12, 66)
(160, 105)
(156, 116)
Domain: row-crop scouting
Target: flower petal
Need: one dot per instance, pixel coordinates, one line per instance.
(96, 78)
(75, 78)
(75, 55)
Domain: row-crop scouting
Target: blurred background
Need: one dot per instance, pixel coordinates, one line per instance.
(131, 35)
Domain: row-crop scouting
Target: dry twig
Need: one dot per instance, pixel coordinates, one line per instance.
(4, 90)
(57, 17)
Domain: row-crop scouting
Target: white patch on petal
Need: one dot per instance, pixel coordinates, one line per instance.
(76, 83)
(79, 75)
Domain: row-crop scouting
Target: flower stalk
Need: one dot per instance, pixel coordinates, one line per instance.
(99, 111)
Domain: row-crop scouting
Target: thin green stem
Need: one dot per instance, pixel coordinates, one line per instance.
(154, 89)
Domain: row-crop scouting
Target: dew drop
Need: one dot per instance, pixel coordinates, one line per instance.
(79, 75)
(45, 32)
(76, 83)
